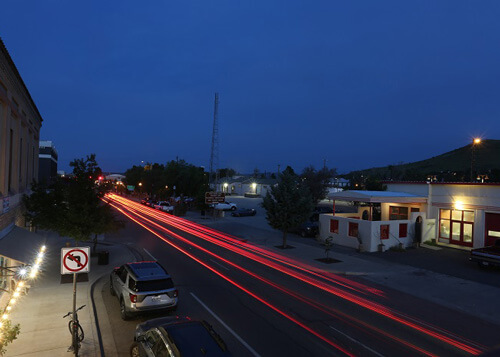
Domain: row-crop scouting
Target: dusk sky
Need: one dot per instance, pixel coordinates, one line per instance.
(358, 83)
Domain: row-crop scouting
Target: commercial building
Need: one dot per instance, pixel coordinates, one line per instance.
(459, 215)
(47, 162)
(20, 124)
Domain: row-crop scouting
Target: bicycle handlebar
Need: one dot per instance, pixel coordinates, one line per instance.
(69, 313)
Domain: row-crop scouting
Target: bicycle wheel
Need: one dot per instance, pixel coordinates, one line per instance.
(79, 328)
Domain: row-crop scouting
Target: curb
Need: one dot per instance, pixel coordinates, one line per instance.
(96, 317)
(99, 280)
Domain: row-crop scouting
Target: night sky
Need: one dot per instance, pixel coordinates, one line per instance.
(358, 83)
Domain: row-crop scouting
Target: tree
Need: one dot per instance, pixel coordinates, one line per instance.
(226, 172)
(8, 333)
(317, 181)
(288, 204)
(73, 207)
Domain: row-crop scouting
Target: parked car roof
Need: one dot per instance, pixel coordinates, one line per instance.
(147, 270)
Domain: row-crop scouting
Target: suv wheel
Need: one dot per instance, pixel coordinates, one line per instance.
(233, 208)
(123, 310)
(134, 350)
(111, 290)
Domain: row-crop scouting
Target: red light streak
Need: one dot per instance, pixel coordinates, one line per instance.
(184, 224)
(387, 312)
(263, 301)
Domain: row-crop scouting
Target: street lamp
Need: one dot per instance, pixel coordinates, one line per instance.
(254, 185)
(475, 142)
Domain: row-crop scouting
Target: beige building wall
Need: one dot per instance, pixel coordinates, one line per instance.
(20, 124)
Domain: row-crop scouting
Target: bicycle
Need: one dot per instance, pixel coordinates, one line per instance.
(76, 331)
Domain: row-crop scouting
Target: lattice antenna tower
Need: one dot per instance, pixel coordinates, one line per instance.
(214, 154)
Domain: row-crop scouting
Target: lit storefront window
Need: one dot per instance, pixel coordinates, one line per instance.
(457, 226)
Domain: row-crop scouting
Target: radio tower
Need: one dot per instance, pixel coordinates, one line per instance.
(214, 153)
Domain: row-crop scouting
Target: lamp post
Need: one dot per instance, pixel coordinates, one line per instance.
(475, 142)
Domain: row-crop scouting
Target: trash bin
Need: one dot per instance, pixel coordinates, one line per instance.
(103, 258)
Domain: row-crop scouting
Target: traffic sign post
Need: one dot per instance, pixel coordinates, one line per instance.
(75, 260)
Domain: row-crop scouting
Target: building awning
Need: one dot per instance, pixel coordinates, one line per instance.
(21, 245)
(377, 196)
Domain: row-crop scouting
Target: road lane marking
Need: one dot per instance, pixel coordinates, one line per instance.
(252, 351)
(222, 266)
(356, 341)
(151, 255)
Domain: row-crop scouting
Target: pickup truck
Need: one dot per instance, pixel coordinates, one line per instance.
(486, 256)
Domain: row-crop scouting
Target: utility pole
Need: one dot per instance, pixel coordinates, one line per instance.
(214, 153)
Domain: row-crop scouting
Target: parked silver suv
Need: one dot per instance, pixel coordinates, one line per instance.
(143, 286)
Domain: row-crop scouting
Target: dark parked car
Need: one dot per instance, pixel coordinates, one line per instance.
(307, 229)
(177, 336)
(244, 212)
(487, 256)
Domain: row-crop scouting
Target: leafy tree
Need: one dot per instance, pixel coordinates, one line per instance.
(73, 207)
(226, 172)
(317, 181)
(9, 333)
(288, 204)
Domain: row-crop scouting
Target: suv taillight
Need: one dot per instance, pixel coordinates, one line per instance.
(176, 293)
(133, 297)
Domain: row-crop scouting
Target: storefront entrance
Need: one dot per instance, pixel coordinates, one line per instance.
(492, 228)
(456, 226)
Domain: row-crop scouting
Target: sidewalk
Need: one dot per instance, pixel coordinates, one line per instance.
(453, 292)
(40, 313)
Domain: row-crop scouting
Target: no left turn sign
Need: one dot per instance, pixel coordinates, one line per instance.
(75, 260)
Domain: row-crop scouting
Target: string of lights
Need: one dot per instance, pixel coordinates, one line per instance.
(25, 274)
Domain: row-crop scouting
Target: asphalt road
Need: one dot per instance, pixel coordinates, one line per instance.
(282, 315)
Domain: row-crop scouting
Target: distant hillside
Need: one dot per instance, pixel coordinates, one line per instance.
(451, 166)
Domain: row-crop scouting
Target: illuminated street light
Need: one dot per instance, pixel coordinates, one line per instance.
(475, 142)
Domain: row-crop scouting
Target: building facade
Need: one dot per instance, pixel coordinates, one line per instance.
(458, 215)
(47, 162)
(20, 123)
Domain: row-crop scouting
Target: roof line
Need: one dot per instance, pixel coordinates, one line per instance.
(3, 48)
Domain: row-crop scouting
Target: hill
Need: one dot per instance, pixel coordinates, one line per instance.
(454, 165)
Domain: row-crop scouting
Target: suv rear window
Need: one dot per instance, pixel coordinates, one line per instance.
(150, 285)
